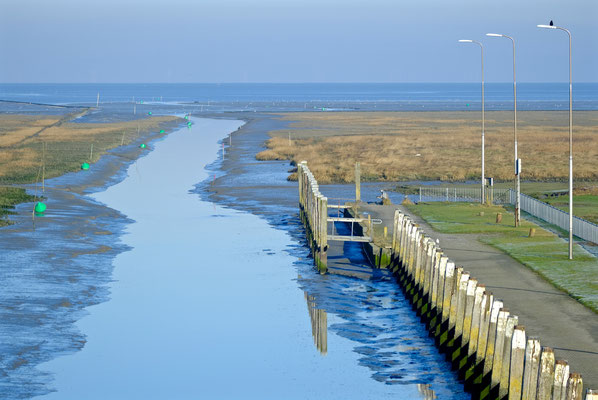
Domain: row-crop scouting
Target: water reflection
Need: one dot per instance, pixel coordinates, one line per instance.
(319, 324)
(426, 391)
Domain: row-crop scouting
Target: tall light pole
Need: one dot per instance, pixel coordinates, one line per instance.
(570, 139)
(483, 199)
(517, 161)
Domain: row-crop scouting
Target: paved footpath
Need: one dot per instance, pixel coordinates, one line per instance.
(556, 319)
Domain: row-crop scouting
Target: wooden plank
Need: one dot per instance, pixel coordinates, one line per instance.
(344, 238)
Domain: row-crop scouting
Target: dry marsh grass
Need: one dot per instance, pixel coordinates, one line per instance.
(27, 142)
(393, 146)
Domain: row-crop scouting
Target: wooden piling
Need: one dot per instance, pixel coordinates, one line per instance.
(357, 182)
(561, 377)
(530, 373)
(506, 355)
(515, 377)
(574, 387)
(546, 374)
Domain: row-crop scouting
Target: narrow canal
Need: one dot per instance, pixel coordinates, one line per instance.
(218, 303)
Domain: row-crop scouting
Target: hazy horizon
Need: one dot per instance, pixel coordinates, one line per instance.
(293, 41)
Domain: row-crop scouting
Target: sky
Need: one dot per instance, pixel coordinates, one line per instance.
(213, 41)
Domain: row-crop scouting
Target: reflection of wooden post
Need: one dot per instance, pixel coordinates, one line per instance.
(357, 182)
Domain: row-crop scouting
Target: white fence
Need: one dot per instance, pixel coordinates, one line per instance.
(581, 228)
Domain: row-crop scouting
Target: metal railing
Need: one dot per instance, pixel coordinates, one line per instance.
(583, 229)
(456, 194)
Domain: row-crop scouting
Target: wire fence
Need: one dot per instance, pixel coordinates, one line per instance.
(456, 194)
(583, 229)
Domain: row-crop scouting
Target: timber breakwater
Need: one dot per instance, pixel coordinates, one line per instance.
(484, 342)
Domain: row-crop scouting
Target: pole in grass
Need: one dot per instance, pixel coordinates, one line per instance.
(517, 160)
(552, 26)
(483, 197)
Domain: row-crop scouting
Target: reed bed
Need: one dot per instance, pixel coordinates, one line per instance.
(403, 146)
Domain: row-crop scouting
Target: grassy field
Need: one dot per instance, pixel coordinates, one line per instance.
(584, 205)
(32, 145)
(49, 146)
(403, 146)
(9, 198)
(545, 253)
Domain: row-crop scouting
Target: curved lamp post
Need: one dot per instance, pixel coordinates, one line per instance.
(483, 199)
(570, 140)
(517, 162)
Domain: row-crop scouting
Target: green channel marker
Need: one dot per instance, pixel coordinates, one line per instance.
(467, 104)
(162, 131)
(142, 146)
(40, 207)
(149, 113)
(186, 117)
(85, 165)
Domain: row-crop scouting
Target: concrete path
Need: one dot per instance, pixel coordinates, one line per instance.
(556, 319)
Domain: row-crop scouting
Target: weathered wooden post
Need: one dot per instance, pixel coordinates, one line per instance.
(574, 387)
(530, 374)
(512, 321)
(357, 182)
(515, 377)
(546, 374)
(561, 376)
(324, 235)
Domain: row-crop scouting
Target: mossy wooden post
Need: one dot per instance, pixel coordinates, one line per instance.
(574, 387)
(324, 235)
(461, 299)
(485, 314)
(530, 373)
(395, 228)
(491, 341)
(561, 376)
(449, 277)
(499, 346)
(357, 182)
(512, 321)
(476, 318)
(469, 303)
(515, 376)
(546, 374)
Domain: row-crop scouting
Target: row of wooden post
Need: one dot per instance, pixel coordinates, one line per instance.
(485, 343)
(313, 209)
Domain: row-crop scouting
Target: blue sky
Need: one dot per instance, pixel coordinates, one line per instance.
(292, 40)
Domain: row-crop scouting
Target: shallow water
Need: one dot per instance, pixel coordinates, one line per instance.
(215, 303)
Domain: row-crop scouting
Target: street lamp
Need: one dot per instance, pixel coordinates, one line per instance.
(517, 161)
(483, 199)
(570, 140)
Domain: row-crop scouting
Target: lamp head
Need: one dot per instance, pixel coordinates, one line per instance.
(546, 26)
(466, 41)
(494, 34)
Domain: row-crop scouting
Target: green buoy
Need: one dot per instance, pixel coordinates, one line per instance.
(85, 165)
(467, 104)
(186, 117)
(149, 113)
(40, 207)
(189, 123)
(162, 131)
(142, 146)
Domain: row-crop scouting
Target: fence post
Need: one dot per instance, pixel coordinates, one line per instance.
(546, 374)
(357, 182)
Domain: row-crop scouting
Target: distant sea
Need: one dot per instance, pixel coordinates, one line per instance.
(306, 96)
